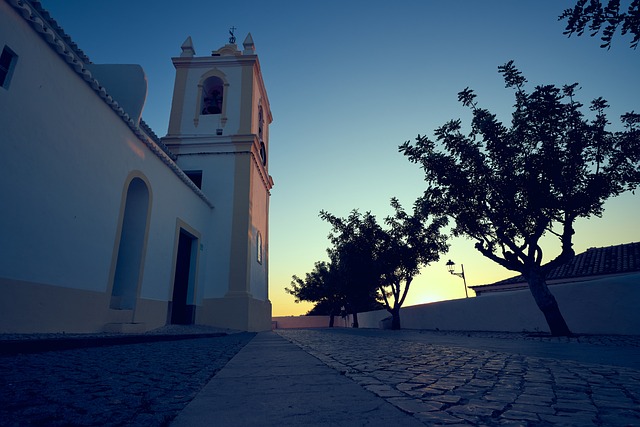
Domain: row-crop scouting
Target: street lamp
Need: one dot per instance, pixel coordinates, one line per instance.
(451, 266)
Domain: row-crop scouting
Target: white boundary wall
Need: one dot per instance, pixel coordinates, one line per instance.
(600, 306)
(296, 322)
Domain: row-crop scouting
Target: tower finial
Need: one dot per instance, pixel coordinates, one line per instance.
(187, 48)
(232, 39)
(249, 46)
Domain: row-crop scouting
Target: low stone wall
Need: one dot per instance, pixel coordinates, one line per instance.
(600, 306)
(296, 322)
(608, 306)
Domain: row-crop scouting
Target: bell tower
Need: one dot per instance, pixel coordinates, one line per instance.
(219, 132)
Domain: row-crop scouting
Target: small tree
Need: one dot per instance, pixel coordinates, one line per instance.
(391, 257)
(508, 187)
(319, 286)
(355, 241)
(411, 242)
(594, 15)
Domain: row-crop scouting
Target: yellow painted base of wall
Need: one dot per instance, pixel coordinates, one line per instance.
(242, 313)
(27, 307)
(151, 312)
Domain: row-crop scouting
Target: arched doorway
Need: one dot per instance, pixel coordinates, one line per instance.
(130, 250)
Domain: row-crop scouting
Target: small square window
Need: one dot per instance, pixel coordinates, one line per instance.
(195, 177)
(8, 60)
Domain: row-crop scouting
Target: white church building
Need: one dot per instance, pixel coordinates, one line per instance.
(103, 225)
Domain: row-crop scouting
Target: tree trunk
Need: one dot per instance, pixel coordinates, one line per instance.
(395, 319)
(331, 316)
(548, 305)
(355, 319)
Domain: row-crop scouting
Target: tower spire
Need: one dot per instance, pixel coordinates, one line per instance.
(249, 46)
(187, 48)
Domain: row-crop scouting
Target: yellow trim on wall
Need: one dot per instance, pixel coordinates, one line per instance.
(246, 101)
(177, 107)
(116, 246)
(241, 242)
(181, 224)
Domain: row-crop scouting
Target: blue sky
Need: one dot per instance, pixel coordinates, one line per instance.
(348, 82)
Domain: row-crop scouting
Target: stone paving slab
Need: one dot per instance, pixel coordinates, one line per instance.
(272, 382)
(10, 346)
(618, 350)
(466, 381)
(327, 377)
(145, 384)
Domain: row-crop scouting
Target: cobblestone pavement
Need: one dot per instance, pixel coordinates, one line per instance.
(454, 385)
(144, 384)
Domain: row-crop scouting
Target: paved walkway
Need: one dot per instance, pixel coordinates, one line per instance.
(272, 382)
(339, 377)
(460, 379)
(144, 384)
(409, 377)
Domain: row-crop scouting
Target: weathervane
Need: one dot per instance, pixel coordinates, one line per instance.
(232, 39)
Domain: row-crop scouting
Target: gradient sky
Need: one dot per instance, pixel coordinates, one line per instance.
(348, 82)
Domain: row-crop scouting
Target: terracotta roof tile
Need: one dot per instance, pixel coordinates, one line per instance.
(624, 258)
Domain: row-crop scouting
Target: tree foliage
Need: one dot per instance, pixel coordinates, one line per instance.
(325, 286)
(373, 259)
(318, 286)
(354, 240)
(591, 15)
(507, 187)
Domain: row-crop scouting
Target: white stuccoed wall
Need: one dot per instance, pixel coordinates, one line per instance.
(600, 306)
(67, 160)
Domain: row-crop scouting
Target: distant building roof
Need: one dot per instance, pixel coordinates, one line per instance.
(609, 260)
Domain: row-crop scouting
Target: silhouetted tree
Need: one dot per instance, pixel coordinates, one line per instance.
(321, 287)
(354, 244)
(411, 242)
(388, 259)
(323, 308)
(607, 18)
(507, 187)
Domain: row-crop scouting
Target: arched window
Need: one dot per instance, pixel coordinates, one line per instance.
(260, 124)
(263, 148)
(259, 247)
(212, 95)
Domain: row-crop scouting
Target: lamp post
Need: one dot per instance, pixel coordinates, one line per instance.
(451, 266)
